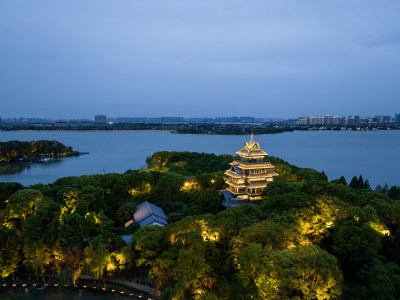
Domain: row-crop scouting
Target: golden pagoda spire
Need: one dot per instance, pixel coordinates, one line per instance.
(251, 134)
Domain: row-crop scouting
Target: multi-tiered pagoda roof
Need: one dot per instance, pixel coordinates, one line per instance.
(249, 174)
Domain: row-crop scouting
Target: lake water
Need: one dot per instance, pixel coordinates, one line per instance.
(372, 154)
(59, 294)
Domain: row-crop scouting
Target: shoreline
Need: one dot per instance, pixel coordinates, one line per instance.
(114, 286)
(85, 130)
(177, 131)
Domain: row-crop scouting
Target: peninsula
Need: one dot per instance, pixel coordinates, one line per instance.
(18, 151)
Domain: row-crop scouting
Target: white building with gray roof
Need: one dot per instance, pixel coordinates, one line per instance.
(149, 214)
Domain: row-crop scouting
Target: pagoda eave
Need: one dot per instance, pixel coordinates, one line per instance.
(251, 153)
(233, 174)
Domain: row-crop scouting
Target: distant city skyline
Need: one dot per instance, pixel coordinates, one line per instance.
(277, 59)
(310, 119)
(92, 116)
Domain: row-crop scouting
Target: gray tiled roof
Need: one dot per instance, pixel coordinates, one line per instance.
(227, 195)
(152, 218)
(147, 209)
(237, 170)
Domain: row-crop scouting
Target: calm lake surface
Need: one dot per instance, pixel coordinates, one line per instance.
(59, 294)
(372, 154)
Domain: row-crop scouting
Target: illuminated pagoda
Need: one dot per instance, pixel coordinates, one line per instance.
(249, 174)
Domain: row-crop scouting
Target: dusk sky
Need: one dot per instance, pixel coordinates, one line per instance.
(131, 58)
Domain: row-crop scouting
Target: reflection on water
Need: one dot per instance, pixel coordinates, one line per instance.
(14, 168)
(57, 293)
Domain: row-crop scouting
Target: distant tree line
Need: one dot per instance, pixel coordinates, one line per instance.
(358, 183)
(233, 130)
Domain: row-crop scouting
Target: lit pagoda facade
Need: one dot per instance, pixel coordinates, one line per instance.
(249, 174)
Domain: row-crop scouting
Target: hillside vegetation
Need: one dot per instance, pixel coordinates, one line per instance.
(308, 239)
(12, 151)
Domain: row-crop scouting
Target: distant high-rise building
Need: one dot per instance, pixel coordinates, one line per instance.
(100, 118)
(303, 121)
(356, 120)
(364, 121)
(386, 119)
(312, 121)
(396, 118)
(327, 120)
(350, 121)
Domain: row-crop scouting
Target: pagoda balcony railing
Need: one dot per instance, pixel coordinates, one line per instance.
(263, 163)
(259, 175)
(237, 184)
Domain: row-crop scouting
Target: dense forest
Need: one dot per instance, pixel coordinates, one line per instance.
(308, 239)
(13, 151)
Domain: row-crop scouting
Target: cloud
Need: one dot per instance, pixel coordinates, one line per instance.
(286, 57)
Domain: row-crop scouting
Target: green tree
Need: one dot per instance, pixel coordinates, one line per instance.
(72, 231)
(367, 185)
(10, 246)
(360, 183)
(6, 190)
(385, 189)
(253, 265)
(301, 272)
(92, 199)
(73, 260)
(342, 180)
(356, 242)
(210, 201)
(376, 280)
(394, 192)
(169, 184)
(306, 271)
(354, 183)
(277, 188)
(147, 243)
(192, 273)
(125, 212)
(23, 203)
(37, 256)
(232, 219)
(96, 255)
(99, 223)
(263, 233)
